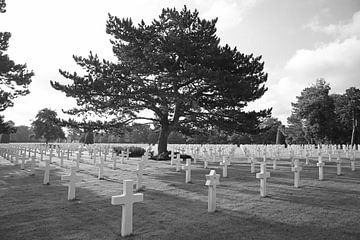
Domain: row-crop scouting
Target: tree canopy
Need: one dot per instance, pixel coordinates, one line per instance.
(320, 117)
(175, 68)
(315, 110)
(47, 125)
(14, 78)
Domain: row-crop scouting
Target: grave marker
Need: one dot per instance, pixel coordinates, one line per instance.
(321, 165)
(263, 175)
(338, 165)
(212, 179)
(187, 169)
(177, 162)
(72, 184)
(126, 200)
(139, 174)
(32, 165)
(47, 172)
(296, 169)
(225, 164)
(101, 168)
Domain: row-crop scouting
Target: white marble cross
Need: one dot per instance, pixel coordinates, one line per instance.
(47, 172)
(307, 155)
(113, 158)
(23, 158)
(126, 200)
(94, 156)
(32, 165)
(177, 162)
(275, 163)
(212, 179)
(225, 163)
(172, 157)
(296, 169)
(263, 175)
(78, 156)
(101, 168)
(73, 180)
(352, 159)
(338, 164)
(41, 154)
(139, 174)
(321, 165)
(187, 169)
(51, 154)
(62, 158)
(252, 165)
(122, 157)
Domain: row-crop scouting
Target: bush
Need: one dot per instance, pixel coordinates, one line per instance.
(89, 138)
(166, 156)
(5, 138)
(134, 151)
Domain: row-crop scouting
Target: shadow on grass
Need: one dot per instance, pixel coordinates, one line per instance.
(30, 210)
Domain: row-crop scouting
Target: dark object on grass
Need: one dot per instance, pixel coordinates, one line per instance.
(164, 156)
(134, 151)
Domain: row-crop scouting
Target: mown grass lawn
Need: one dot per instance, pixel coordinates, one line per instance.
(171, 209)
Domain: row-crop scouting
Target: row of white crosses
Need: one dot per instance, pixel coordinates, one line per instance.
(126, 199)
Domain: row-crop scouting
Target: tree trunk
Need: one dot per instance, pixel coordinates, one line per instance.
(353, 131)
(163, 138)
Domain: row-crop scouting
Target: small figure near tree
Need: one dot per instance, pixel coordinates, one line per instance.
(47, 125)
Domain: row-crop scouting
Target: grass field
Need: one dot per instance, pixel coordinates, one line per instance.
(328, 209)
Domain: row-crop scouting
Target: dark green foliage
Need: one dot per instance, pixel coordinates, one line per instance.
(313, 113)
(175, 68)
(6, 127)
(347, 111)
(164, 156)
(22, 134)
(5, 138)
(134, 151)
(47, 125)
(14, 78)
(2, 6)
(89, 138)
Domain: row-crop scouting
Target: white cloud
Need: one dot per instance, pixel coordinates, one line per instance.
(229, 12)
(341, 30)
(337, 61)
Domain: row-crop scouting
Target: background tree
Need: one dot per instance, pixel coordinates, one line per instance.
(269, 131)
(5, 129)
(47, 125)
(89, 137)
(22, 134)
(296, 130)
(14, 78)
(347, 111)
(175, 68)
(314, 110)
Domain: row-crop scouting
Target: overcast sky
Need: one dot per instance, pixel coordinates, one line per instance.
(300, 41)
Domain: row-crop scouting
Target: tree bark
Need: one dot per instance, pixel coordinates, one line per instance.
(353, 131)
(163, 138)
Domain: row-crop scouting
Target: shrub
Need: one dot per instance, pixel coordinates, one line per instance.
(89, 138)
(134, 151)
(166, 156)
(5, 138)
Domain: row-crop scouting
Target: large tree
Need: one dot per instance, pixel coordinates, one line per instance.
(47, 125)
(347, 110)
(314, 113)
(14, 78)
(175, 68)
